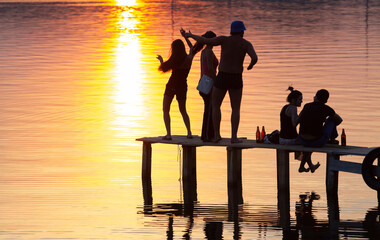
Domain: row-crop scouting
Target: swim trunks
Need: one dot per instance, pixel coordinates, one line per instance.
(229, 81)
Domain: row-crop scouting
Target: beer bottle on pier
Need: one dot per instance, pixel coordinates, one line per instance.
(343, 138)
(262, 134)
(258, 135)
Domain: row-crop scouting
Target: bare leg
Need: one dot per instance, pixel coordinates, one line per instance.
(311, 165)
(166, 109)
(185, 116)
(235, 98)
(217, 99)
(306, 158)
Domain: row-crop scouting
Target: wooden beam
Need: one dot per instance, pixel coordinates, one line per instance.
(234, 176)
(283, 171)
(147, 195)
(189, 161)
(189, 174)
(146, 176)
(344, 166)
(248, 143)
(332, 174)
(283, 187)
(333, 213)
(146, 161)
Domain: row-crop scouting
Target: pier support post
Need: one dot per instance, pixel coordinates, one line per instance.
(283, 188)
(235, 188)
(146, 176)
(333, 213)
(332, 175)
(283, 170)
(189, 175)
(146, 161)
(332, 193)
(147, 194)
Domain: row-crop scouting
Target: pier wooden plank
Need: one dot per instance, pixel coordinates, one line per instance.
(248, 143)
(234, 165)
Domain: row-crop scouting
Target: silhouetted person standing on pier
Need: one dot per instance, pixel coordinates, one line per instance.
(179, 63)
(234, 49)
(209, 64)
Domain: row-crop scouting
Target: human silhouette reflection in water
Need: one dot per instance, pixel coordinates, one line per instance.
(214, 230)
(304, 214)
(189, 227)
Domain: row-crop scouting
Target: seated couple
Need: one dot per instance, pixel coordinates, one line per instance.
(317, 122)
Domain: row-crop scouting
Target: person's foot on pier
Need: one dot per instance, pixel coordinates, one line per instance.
(167, 137)
(303, 169)
(236, 140)
(189, 136)
(315, 167)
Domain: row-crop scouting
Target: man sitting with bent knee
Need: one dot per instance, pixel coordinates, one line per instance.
(318, 123)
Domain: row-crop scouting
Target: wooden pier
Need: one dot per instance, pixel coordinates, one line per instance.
(334, 164)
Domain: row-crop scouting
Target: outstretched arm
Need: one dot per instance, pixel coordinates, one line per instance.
(186, 38)
(209, 41)
(251, 52)
(160, 58)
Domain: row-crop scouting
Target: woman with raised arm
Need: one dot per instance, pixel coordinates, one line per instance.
(179, 63)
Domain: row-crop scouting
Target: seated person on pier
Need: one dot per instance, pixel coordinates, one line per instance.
(289, 122)
(318, 124)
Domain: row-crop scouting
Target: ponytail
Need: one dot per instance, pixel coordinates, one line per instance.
(294, 94)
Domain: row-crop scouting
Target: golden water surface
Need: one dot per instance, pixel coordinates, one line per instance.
(79, 83)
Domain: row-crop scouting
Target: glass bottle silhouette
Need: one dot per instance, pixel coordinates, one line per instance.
(343, 138)
(258, 135)
(262, 134)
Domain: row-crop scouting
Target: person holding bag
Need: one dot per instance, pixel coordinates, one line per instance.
(209, 63)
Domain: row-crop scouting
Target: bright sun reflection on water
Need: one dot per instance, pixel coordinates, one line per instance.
(128, 3)
(129, 74)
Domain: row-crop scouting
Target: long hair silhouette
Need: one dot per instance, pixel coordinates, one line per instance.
(177, 56)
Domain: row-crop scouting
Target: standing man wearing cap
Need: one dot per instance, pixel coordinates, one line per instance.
(234, 49)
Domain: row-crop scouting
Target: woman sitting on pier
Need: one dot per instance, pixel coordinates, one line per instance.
(289, 122)
(179, 63)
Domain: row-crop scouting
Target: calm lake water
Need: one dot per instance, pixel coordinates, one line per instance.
(79, 83)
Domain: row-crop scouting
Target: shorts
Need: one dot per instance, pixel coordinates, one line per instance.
(179, 92)
(329, 131)
(229, 81)
(291, 141)
(313, 143)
